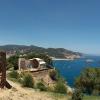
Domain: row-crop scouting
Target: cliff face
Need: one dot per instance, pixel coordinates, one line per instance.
(53, 52)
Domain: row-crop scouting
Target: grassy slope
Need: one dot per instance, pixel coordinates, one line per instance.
(91, 98)
(20, 93)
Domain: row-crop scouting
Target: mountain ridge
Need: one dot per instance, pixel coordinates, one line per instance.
(53, 52)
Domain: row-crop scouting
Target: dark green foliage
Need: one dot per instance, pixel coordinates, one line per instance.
(10, 66)
(77, 95)
(28, 81)
(14, 74)
(60, 87)
(25, 79)
(53, 74)
(89, 81)
(14, 61)
(41, 86)
(44, 56)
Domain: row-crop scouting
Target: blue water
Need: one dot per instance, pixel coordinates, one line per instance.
(72, 69)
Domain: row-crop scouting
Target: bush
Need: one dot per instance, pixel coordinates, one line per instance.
(28, 81)
(77, 95)
(60, 88)
(41, 86)
(14, 74)
(89, 81)
(14, 61)
(9, 66)
(53, 74)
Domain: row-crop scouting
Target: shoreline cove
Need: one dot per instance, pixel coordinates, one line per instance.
(71, 69)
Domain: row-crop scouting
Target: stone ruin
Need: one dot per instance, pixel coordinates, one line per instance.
(31, 64)
(3, 64)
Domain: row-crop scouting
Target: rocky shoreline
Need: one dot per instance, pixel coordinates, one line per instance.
(68, 58)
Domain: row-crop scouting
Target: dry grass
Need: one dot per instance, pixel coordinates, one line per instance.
(20, 93)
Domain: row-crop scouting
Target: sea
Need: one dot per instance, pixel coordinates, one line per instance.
(71, 69)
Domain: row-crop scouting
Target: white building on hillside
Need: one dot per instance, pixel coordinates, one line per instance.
(35, 64)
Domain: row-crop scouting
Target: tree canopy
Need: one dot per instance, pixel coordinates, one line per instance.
(89, 81)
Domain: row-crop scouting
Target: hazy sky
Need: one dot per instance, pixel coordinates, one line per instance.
(72, 24)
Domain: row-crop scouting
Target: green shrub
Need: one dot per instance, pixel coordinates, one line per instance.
(41, 86)
(89, 81)
(60, 88)
(22, 74)
(77, 95)
(53, 74)
(9, 66)
(27, 81)
(14, 74)
(14, 61)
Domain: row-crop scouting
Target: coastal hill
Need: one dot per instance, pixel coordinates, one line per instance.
(53, 52)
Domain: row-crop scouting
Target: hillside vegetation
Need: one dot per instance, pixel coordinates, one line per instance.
(54, 52)
(20, 93)
(89, 81)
